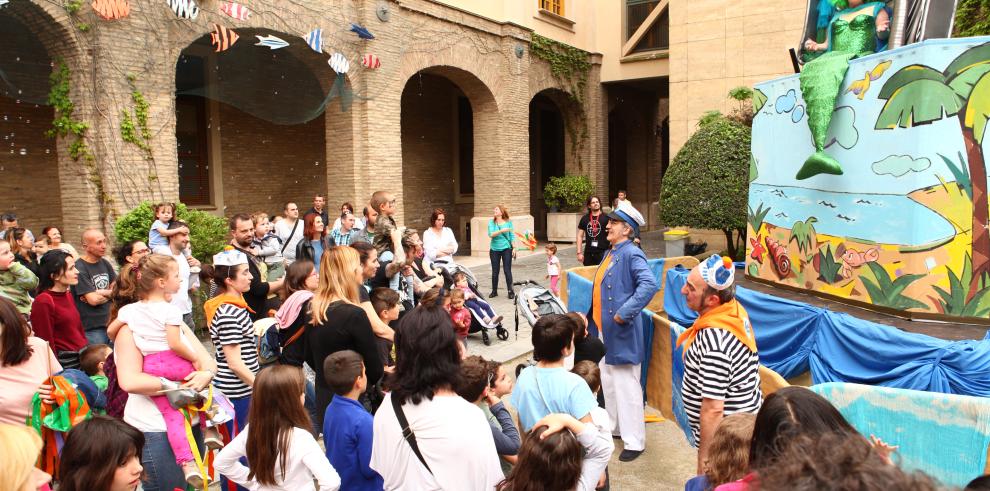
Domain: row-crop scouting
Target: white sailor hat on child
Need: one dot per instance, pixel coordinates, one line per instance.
(718, 272)
(229, 257)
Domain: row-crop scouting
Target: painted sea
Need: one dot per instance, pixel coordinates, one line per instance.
(881, 218)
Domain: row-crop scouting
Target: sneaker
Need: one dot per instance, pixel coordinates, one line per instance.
(193, 477)
(194, 270)
(212, 439)
(630, 455)
(496, 320)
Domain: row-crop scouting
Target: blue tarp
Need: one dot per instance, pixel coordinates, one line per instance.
(794, 338)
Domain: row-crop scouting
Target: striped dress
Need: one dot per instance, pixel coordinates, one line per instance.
(719, 366)
(232, 325)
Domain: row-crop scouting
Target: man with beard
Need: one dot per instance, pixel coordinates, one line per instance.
(242, 232)
(591, 242)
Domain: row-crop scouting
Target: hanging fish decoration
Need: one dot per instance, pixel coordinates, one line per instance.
(315, 40)
(361, 31)
(112, 9)
(271, 41)
(222, 37)
(371, 61)
(339, 63)
(236, 10)
(184, 9)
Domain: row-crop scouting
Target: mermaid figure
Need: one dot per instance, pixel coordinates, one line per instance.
(856, 29)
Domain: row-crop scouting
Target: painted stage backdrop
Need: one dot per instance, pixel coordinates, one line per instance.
(896, 228)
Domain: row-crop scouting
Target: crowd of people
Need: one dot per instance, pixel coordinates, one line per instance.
(378, 318)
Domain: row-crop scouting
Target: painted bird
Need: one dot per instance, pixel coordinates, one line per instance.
(315, 40)
(361, 31)
(236, 10)
(184, 9)
(271, 41)
(222, 37)
(371, 61)
(859, 87)
(112, 9)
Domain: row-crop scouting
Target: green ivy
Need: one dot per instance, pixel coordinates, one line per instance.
(570, 66)
(208, 233)
(972, 18)
(73, 6)
(134, 129)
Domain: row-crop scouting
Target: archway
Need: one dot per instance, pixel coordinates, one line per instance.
(251, 126)
(547, 154)
(29, 158)
(448, 118)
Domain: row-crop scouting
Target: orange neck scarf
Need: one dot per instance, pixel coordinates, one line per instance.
(211, 305)
(730, 316)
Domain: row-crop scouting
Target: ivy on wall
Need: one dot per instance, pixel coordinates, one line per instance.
(570, 66)
(972, 18)
(134, 127)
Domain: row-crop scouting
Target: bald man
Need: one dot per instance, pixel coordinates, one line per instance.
(92, 293)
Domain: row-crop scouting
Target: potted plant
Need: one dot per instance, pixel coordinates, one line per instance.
(568, 194)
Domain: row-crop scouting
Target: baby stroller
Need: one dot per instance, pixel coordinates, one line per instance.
(534, 301)
(476, 323)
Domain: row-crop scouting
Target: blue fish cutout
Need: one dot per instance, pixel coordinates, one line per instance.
(271, 41)
(361, 31)
(315, 40)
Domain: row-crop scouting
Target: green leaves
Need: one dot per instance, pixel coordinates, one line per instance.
(804, 233)
(978, 109)
(759, 100)
(961, 173)
(569, 192)
(954, 301)
(972, 18)
(828, 268)
(755, 218)
(889, 292)
(918, 102)
(208, 232)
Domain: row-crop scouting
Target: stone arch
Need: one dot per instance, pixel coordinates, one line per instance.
(34, 36)
(449, 122)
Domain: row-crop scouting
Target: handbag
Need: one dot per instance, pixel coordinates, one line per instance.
(407, 432)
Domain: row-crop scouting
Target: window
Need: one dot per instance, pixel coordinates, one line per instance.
(657, 36)
(191, 134)
(555, 6)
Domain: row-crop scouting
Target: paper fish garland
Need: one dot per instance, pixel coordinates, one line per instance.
(111, 9)
(222, 38)
(315, 40)
(184, 9)
(371, 61)
(271, 41)
(236, 10)
(339, 63)
(361, 31)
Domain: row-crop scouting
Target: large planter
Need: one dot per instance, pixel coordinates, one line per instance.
(562, 227)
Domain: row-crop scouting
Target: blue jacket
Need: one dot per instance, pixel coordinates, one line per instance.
(347, 432)
(628, 285)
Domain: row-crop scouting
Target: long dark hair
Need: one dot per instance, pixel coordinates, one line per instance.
(788, 413)
(295, 277)
(271, 424)
(94, 450)
(14, 332)
(550, 464)
(426, 354)
(52, 266)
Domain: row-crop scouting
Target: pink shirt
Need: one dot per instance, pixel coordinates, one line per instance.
(462, 320)
(20, 382)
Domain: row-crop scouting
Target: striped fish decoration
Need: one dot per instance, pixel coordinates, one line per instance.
(184, 9)
(339, 63)
(315, 40)
(271, 41)
(112, 9)
(3, 2)
(222, 37)
(236, 10)
(371, 61)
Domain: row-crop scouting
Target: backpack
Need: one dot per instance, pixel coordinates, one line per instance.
(269, 342)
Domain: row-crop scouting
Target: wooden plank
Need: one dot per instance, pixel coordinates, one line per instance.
(645, 26)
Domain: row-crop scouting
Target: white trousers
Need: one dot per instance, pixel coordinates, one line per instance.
(624, 403)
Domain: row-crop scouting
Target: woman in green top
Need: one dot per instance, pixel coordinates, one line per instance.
(500, 251)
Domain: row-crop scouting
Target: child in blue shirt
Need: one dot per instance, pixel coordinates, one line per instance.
(347, 427)
(548, 387)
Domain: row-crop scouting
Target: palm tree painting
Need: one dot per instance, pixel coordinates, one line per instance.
(918, 94)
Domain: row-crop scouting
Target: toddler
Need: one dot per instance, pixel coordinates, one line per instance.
(267, 246)
(159, 233)
(480, 307)
(16, 280)
(553, 267)
(168, 354)
(91, 360)
(459, 314)
(42, 245)
(728, 457)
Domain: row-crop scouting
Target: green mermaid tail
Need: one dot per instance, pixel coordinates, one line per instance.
(821, 80)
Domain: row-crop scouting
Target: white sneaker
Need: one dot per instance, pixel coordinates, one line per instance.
(193, 477)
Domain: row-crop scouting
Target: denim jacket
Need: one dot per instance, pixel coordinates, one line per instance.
(628, 285)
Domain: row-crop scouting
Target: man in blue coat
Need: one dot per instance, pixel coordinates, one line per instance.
(623, 286)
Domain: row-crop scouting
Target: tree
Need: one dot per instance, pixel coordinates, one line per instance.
(918, 94)
(208, 233)
(707, 184)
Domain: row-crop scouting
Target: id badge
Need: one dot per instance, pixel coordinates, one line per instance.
(594, 244)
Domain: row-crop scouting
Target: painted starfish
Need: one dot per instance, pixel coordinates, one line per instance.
(758, 249)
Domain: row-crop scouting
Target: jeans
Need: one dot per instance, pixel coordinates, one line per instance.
(505, 258)
(241, 407)
(161, 473)
(188, 320)
(310, 404)
(97, 336)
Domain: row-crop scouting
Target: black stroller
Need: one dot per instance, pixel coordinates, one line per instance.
(534, 301)
(476, 323)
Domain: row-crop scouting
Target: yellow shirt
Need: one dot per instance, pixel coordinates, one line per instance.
(596, 292)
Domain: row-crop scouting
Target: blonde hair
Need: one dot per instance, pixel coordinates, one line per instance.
(728, 457)
(339, 280)
(456, 294)
(139, 280)
(20, 448)
(257, 216)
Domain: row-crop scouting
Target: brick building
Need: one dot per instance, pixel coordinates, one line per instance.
(461, 114)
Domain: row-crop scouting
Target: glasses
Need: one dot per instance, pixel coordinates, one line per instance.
(141, 251)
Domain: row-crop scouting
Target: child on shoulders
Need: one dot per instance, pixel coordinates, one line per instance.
(16, 280)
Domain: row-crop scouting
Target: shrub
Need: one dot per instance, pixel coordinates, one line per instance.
(707, 184)
(569, 193)
(208, 233)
